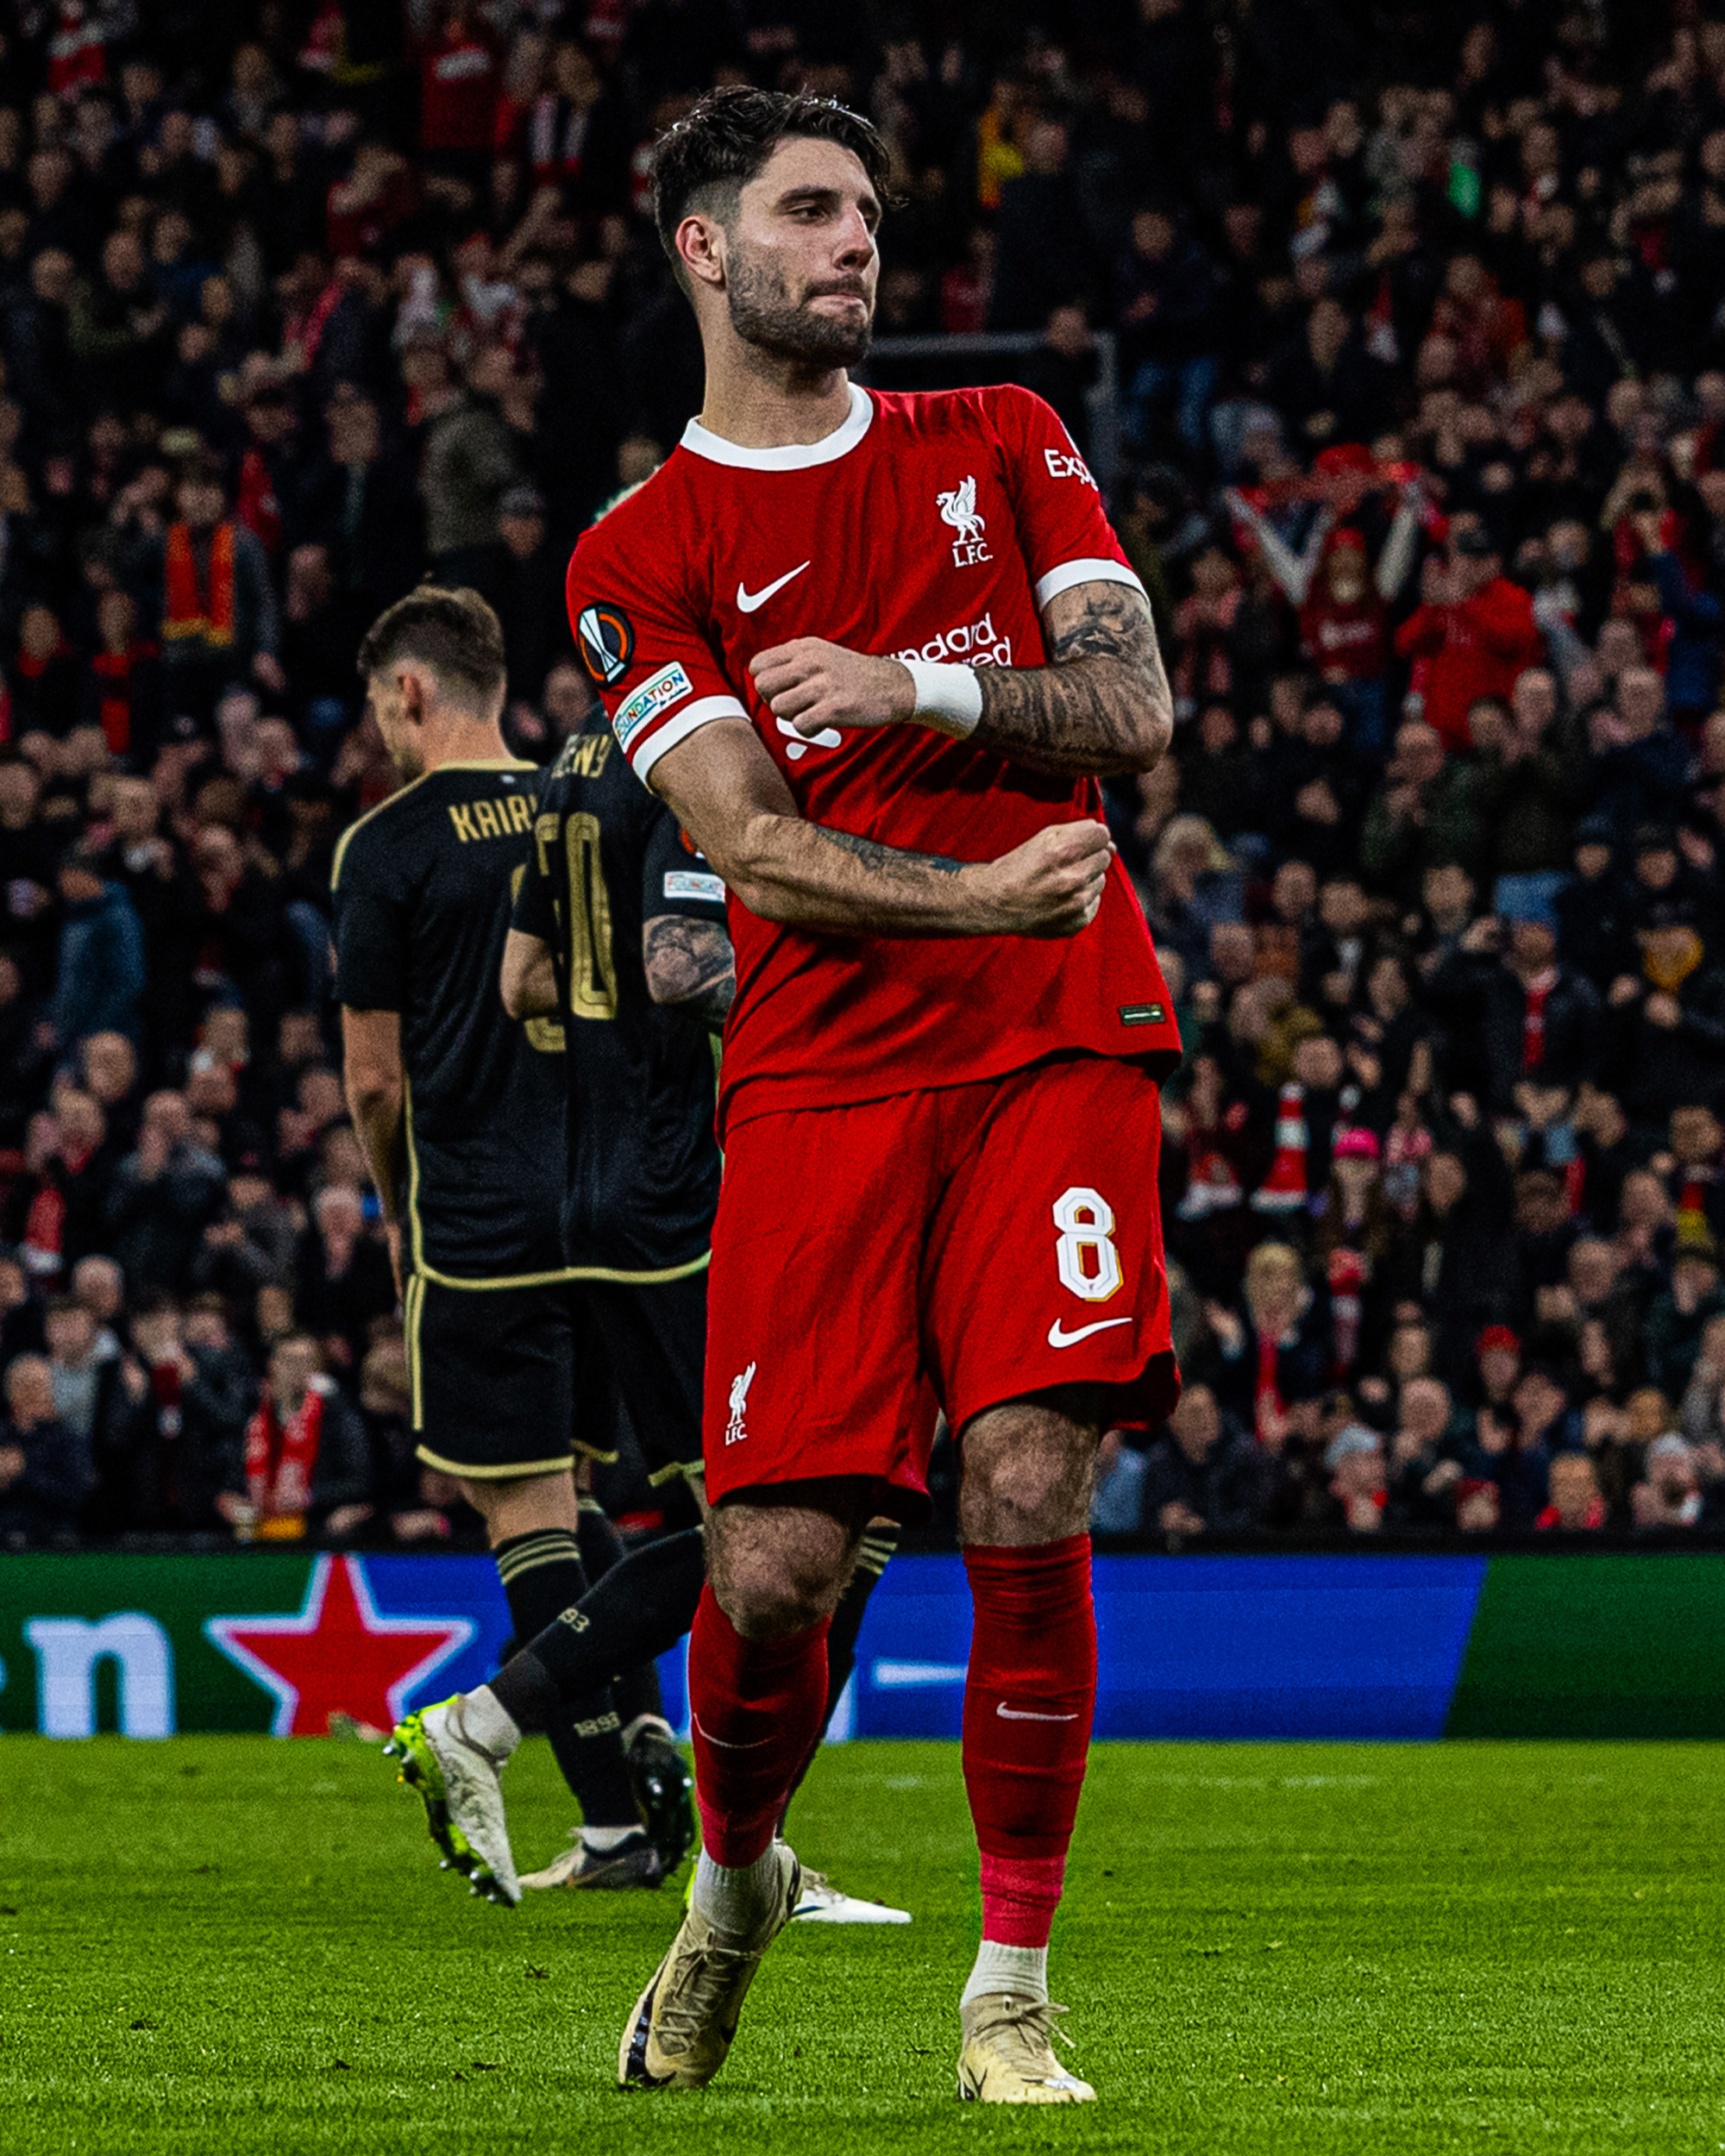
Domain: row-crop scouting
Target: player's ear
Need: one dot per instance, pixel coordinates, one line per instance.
(411, 684)
(700, 249)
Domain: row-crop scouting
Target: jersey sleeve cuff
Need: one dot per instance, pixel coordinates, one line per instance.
(1098, 569)
(643, 758)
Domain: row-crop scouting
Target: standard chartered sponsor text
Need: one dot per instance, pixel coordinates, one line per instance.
(975, 645)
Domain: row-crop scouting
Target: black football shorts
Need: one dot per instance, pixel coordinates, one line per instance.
(492, 1373)
(645, 1346)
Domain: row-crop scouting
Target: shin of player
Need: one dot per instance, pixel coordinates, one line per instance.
(1032, 1690)
(757, 1671)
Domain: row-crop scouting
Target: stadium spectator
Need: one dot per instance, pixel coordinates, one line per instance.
(1670, 1495)
(343, 1279)
(163, 1194)
(1424, 816)
(1358, 1497)
(1575, 1506)
(470, 467)
(90, 1401)
(217, 604)
(1272, 1355)
(1422, 1473)
(1117, 1500)
(99, 975)
(46, 1471)
(1205, 1475)
(188, 1413)
(1473, 634)
(304, 1465)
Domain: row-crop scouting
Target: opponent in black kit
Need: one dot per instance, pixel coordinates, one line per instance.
(459, 1109)
(619, 931)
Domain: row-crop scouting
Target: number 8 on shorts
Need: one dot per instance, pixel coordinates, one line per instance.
(1088, 1262)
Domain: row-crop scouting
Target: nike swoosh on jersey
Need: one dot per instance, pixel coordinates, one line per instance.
(1024, 1715)
(1059, 1337)
(750, 602)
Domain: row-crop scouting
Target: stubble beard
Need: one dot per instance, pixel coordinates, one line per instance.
(763, 314)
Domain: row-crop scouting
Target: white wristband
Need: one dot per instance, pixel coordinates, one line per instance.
(947, 697)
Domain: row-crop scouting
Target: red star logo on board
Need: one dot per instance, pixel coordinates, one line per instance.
(338, 1657)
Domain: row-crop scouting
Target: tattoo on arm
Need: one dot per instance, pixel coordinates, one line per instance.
(731, 798)
(887, 861)
(1102, 706)
(689, 964)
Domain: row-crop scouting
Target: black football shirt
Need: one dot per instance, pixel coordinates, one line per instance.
(422, 887)
(644, 1161)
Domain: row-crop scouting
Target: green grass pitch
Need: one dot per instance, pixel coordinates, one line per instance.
(228, 1944)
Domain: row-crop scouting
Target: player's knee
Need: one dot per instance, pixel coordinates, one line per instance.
(770, 1577)
(1026, 1486)
(761, 1608)
(769, 1600)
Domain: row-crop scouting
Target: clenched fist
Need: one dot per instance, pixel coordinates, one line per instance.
(815, 685)
(1051, 885)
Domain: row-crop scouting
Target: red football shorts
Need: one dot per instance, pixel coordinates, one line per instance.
(950, 1248)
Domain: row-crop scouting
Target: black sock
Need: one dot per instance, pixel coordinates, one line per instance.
(872, 1560)
(635, 1690)
(640, 1608)
(541, 1575)
(601, 1544)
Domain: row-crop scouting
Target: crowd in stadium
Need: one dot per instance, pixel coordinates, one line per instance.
(1420, 386)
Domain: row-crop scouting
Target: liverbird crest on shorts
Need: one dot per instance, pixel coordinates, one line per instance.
(735, 1430)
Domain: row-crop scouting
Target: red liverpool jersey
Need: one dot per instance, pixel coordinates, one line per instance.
(926, 527)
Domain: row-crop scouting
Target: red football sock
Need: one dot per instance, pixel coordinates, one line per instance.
(1028, 1707)
(755, 1710)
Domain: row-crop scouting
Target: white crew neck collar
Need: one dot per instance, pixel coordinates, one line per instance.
(794, 456)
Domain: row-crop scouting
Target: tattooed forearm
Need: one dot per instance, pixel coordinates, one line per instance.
(887, 861)
(689, 963)
(731, 798)
(1104, 704)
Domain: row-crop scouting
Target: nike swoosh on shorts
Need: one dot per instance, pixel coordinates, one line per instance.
(1059, 1337)
(749, 602)
(1024, 1715)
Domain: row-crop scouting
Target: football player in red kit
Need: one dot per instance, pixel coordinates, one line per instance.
(876, 652)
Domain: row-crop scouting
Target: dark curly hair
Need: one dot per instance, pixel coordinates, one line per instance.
(706, 159)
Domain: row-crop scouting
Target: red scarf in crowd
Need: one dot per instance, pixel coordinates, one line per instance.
(1268, 1407)
(281, 1456)
(78, 55)
(45, 1224)
(255, 506)
(114, 669)
(188, 612)
(1349, 1272)
(1534, 1018)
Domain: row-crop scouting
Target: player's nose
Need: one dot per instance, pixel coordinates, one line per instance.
(856, 246)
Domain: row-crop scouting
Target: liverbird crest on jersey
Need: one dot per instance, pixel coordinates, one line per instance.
(735, 1431)
(959, 508)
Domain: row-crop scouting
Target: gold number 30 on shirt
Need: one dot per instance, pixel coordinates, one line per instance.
(593, 975)
(1086, 1222)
